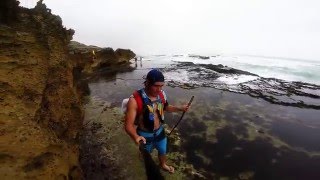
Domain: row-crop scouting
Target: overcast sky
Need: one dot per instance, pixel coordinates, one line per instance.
(282, 28)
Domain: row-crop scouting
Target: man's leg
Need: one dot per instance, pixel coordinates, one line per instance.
(162, 150)
(163, 164)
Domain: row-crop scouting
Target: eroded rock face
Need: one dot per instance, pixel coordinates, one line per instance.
(124, 55)
(93, 58)
(8, 11)
(40, 112)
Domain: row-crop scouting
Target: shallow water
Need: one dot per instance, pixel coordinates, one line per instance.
(232, 135)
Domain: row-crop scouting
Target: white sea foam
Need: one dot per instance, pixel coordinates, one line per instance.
(236, 79)
(269, 67)
(178, 75)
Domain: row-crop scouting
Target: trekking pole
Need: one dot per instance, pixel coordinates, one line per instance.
(141, 144)
(181, 116)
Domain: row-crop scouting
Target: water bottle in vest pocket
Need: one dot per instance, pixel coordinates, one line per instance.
(124, 105)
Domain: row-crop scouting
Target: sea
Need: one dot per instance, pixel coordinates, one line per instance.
(252, 117)
(269, 67)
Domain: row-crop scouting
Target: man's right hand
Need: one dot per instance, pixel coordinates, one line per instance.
(141, 138)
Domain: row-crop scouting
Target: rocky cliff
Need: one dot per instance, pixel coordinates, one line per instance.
(41, 112)
(91, 58)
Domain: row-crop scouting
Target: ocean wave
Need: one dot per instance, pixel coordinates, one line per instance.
(277, 91)
(286, 69)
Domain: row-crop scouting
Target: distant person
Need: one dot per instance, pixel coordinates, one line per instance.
(145, 116)
(93, 55)
(135, 60)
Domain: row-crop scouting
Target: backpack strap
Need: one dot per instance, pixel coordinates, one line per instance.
(138, 98)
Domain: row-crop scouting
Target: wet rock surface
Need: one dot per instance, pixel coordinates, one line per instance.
(276, 91)
(224, 133)
(107, 152)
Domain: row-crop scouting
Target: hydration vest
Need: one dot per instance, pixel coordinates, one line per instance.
(146, 107)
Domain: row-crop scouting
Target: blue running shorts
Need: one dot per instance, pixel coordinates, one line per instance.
(156, 139)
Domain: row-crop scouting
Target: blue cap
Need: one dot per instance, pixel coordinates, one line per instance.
(155, 76)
